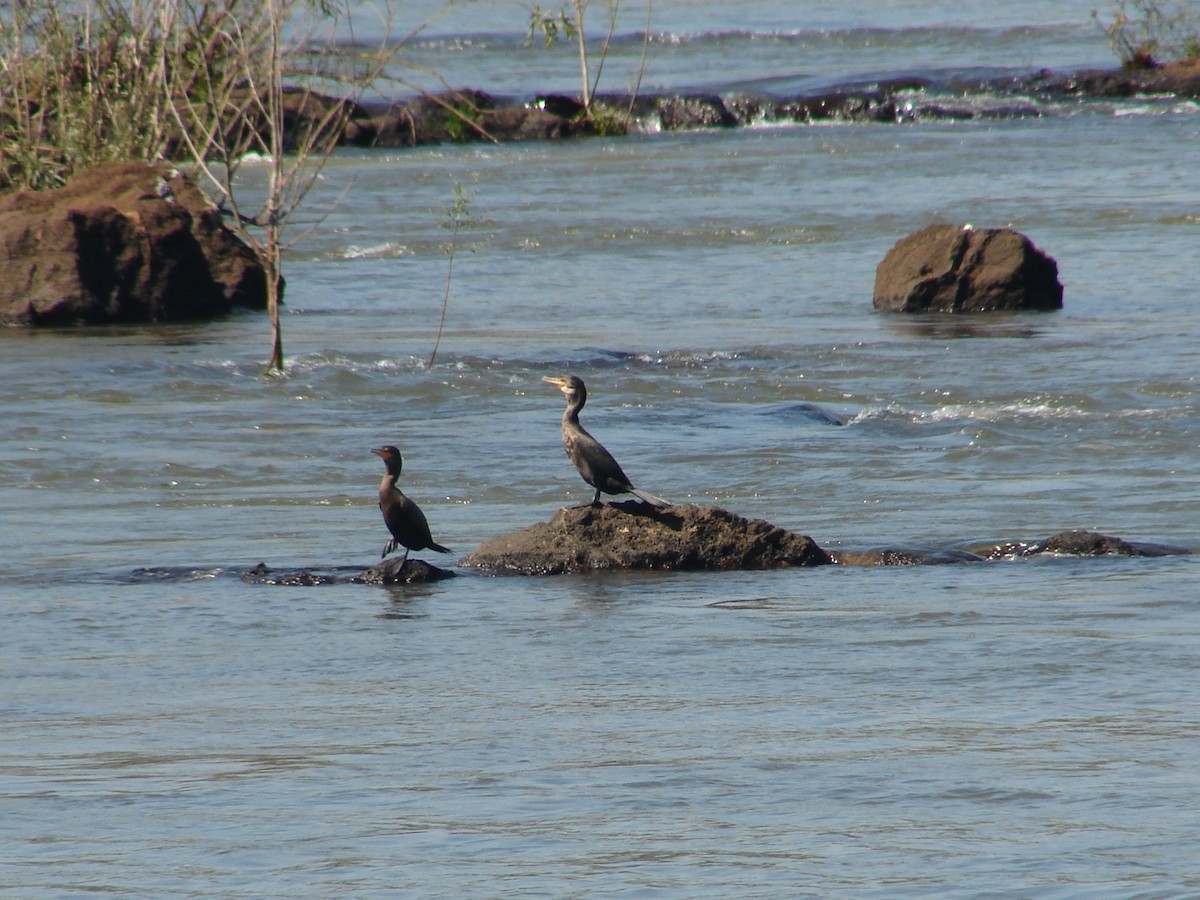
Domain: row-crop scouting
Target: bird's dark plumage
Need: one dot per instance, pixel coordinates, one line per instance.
(595, 464)
(402, 516)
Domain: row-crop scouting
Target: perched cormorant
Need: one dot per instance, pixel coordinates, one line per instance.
(594, 463)
(402, 516)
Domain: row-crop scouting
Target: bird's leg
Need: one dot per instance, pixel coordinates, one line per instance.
(596, 499)
(404, 562)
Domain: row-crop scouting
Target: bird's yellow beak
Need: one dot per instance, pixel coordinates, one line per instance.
(379, 451)
(559, 383)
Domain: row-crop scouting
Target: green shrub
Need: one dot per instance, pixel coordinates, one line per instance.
(1146, 33)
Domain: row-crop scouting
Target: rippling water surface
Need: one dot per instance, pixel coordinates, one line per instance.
(1017, 727)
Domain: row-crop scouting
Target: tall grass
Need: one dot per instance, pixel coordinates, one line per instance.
(80, 86)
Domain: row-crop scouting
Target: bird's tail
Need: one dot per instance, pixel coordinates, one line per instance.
(440, 549)
(647, 497)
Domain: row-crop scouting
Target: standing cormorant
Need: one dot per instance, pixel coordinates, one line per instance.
(402, 516)
(594, 463)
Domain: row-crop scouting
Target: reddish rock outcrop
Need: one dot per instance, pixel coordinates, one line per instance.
(125, 242)
(948, 268)
(634, 535)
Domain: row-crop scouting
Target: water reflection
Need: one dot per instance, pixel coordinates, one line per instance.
(984, 325)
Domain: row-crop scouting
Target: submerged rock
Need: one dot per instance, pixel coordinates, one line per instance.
(636, 536)
(959, 269)
(1065, 543)
(390, 571)
(121, 243)
(397, 571)
(899, 557)
(1089, 543)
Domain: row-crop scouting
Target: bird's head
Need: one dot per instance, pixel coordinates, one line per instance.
(571, 385)
(390, 456)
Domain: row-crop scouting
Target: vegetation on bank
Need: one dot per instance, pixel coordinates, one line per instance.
(1144, 34)
(569, 22)
(206, 83)
(209, 84)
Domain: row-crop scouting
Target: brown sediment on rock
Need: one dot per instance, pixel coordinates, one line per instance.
(636, 536)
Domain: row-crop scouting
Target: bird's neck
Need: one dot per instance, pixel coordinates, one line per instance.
(571, 414)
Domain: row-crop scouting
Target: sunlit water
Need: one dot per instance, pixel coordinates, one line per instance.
(1020, 727)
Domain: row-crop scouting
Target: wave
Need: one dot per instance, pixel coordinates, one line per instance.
(866, 37)
(386, 250)
(1005, 413)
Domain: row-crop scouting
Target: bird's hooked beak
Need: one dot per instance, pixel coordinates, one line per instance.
(379, 451)
(560, 383)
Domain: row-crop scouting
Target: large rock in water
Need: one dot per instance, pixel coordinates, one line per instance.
(948, 268)
(126, 242)
(634, 535)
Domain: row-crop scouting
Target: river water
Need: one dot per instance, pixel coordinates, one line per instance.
(1018, 727)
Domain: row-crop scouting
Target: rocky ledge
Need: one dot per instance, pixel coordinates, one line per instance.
(634, 535)
(469, 114)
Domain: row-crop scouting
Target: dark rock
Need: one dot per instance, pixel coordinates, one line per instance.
(1077, 543)
(706, 111)
(558, 105)
(1004, 550)
(751, 109)
(398, 571)
(948, 268)
(308, 114)
(391, 129)
(263, 574)
(523, 123)
(450, 117)
(125, 243)
(847, 106)
(1088, 543)
(670, 112)
(390, 571)
(312, 121)
(1181, 79)
(634, 535)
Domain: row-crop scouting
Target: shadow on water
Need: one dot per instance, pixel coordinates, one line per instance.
(951, 327)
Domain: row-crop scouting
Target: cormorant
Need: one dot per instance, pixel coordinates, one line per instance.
(594, 463)
(402, 516)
